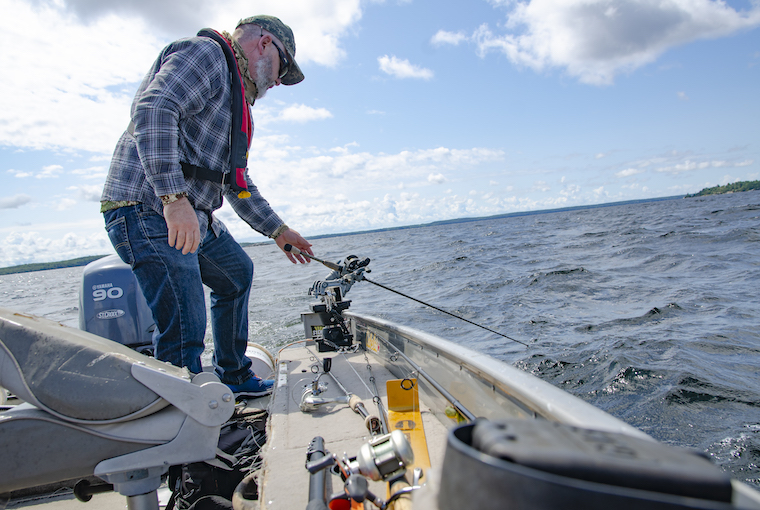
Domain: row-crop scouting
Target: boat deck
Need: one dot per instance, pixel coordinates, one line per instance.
(456, 383)
(285, 481)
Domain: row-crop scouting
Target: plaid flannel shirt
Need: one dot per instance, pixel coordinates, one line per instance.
(182, 112)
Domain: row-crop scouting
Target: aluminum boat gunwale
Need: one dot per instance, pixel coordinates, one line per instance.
(523, 389)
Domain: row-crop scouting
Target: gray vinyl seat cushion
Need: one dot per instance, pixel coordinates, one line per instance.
(30, 458)
(72, 373)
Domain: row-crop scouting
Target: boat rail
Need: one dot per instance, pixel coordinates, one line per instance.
(486, 387)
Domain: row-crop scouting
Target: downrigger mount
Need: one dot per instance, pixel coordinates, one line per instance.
(326, 324)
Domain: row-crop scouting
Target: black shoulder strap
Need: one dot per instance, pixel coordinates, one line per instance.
(239, 137)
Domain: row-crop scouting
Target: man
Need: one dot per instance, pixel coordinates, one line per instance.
(185, 150)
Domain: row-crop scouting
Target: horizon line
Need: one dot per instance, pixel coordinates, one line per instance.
(80, 261)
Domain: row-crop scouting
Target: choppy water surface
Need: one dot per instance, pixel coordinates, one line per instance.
(648, 311)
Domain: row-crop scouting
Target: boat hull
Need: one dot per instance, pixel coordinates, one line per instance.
(487, 387)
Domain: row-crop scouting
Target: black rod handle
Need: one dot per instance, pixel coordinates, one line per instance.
(318, 478)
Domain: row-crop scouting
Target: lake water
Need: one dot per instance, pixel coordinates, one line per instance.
(649, 311)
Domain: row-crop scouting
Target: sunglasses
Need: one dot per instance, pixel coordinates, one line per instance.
(284, 62)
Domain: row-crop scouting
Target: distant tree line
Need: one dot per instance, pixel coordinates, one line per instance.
(728, 188)
(83, 261)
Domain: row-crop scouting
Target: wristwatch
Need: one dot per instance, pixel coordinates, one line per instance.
(277, 233)
(172, 197)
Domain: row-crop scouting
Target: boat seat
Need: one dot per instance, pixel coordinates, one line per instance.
(72, 374)
(93, 406)
(40, 449)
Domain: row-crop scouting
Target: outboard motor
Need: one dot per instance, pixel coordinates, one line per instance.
(111, 305)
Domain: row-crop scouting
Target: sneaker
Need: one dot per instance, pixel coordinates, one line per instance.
(253, 387)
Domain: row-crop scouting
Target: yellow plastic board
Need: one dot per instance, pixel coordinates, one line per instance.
(404, 414)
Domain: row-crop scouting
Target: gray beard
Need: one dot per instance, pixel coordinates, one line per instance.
(262, 77)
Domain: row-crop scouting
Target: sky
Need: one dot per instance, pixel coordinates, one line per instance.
(412, 111)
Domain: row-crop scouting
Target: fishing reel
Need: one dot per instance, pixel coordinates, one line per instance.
(312, 399)
(384, 458)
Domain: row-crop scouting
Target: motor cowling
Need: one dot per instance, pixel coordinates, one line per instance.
(112, 305)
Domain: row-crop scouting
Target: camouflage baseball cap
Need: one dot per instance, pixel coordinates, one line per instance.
(282, 32)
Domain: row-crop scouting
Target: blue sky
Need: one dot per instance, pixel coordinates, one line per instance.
(411, 112)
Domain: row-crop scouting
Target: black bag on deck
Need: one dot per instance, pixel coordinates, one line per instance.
(209, 485)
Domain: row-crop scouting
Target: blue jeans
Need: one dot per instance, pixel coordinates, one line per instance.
(173, 287)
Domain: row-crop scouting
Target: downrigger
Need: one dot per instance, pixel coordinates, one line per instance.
(326, 324)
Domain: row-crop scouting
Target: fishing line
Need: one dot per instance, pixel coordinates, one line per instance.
(442, 311)
(375, 395)
(369, 391)
(335, 267)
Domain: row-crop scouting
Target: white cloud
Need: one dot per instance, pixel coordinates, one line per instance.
(727, 179)
(29, 247)
(398, 68)
(64, 204)
(303, 189)
(269, 113)
(77, 99)
(358, 171)
(71, 85)
(628, 172)
(689, 165)
(570, 190)
(682, 96)
(436, 178)
(15, 201)
(318, 27)
(92, 173)
(443, 37)
(345, 148)
(89, 193)
(50, 171)
(19, 174)
(301, 113)
(595, 40)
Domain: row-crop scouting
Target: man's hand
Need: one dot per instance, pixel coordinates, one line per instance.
(292, 237)
(184, 232)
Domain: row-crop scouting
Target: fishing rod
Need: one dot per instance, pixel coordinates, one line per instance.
(295, 251)
(336, 267)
